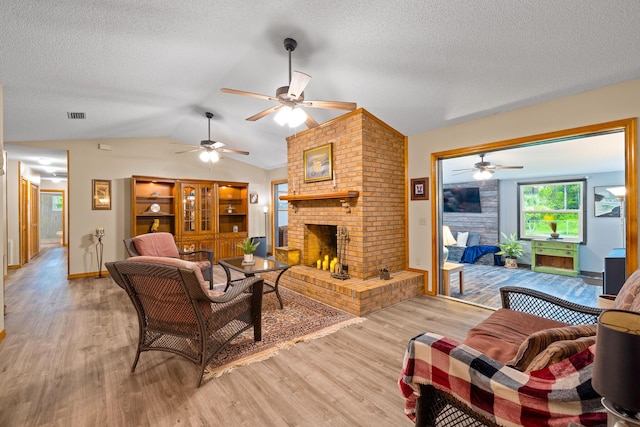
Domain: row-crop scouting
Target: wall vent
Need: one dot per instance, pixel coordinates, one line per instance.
(76, 116)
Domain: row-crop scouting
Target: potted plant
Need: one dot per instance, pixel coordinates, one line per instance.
(248, 247)
(554, 228)
(511, 248)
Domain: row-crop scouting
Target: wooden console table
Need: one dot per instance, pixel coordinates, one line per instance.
(555, 257)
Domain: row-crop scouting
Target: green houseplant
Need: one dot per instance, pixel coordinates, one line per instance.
(248, 247)
(511, 248)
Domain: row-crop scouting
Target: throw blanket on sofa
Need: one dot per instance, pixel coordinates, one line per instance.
(472, 253)
(554, 396)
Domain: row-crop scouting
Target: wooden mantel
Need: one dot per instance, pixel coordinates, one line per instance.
(348, 194)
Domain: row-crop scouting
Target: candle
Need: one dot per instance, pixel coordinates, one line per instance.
(334, 180)
(319, 263)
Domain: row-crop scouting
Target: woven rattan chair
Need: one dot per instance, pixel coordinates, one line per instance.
(178, 315)
(163, 244)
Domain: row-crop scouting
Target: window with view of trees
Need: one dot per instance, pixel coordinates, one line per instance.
(552, 207)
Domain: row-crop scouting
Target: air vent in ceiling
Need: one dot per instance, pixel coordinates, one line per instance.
(76, 116)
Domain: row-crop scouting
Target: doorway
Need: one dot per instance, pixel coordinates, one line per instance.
(280, 214)
(51, 218)
(627, 178)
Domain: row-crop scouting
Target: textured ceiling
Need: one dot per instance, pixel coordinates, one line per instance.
(152, 68)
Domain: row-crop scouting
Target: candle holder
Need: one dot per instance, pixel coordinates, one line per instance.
(99, 249)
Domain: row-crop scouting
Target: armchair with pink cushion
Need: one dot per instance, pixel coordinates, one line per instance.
(163, 245)
(177, 314)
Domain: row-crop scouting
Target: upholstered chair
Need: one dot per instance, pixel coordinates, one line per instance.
(176, 312)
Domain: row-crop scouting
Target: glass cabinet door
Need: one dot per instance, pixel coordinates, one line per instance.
(188, 208)
(206, 207)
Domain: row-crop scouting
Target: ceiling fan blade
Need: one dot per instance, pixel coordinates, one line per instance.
(332, 105)
(188, 151)
(507, 167)
(229, 150)
(298, 82)
(310, 122)
(264, 113)
(245, 93)
(463, 170)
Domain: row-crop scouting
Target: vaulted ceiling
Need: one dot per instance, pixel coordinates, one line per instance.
(154, 67)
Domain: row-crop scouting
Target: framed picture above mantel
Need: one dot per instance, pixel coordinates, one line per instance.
(318, 163)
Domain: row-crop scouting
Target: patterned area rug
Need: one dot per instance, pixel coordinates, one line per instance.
(301, 320)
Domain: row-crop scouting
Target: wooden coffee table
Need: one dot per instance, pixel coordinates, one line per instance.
(448, 269)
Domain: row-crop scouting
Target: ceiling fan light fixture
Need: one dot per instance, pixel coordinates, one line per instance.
(483, 174)
(298, 117)
(293, 117)
(214, 156)
(282, 117)
(204, 156)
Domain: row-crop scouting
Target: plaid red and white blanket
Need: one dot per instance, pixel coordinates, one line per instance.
(554, 396)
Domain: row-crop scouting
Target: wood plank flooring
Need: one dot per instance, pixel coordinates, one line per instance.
(70, 344)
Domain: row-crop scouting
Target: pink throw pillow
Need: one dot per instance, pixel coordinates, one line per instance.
(156, 244)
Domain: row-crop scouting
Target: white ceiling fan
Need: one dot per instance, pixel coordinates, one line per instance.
(210, 149)
(291, 97)
(484, 170)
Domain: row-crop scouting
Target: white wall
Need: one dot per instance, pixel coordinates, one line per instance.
(138, 156)
(610, 103)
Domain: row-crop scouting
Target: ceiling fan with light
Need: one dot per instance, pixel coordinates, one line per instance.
(484, 170)
(291, 98)
(210, 150)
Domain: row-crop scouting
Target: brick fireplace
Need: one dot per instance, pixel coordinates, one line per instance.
(367, 197)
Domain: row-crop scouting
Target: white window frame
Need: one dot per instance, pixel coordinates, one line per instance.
(581, 211)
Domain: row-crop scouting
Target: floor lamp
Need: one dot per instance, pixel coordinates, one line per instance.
(265, 211)
(620, 193)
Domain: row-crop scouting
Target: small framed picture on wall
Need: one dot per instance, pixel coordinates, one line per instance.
(253, 198)
(420, 189)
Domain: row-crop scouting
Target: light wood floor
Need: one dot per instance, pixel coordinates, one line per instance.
(66, 361)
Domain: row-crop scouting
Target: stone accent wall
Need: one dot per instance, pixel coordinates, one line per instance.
(368, 156)
(485, 223)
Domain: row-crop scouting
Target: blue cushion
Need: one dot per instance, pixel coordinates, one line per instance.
(474, 239)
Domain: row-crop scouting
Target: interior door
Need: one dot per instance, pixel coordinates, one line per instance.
(280, 217)
(34, 215)
(24, 221)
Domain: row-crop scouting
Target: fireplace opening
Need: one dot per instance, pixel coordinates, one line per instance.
(320, 241)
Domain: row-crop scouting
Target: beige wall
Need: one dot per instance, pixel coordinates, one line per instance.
(139, 156)
(611, 103)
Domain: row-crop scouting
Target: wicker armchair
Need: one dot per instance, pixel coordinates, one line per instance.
(438, 407)
(177, 314)
(163, 245)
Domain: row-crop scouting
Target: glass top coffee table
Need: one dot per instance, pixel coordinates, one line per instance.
(261, 265)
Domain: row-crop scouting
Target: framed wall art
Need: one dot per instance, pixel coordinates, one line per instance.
(253, 198)
(606, 205)
(420, 189)
(318, 163)
(101, 192)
